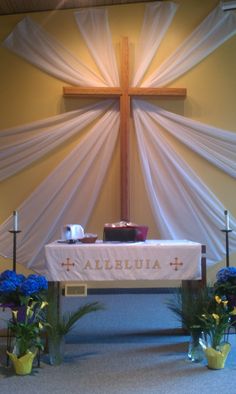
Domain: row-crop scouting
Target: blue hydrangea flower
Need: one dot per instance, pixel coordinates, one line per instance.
(7, 286)
(225, 274)
(41, 280)
(13, 286)
(20, 278)
(7, 275)
(30, 286)
(12, 276)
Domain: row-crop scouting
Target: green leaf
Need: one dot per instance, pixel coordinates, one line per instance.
(66, 323)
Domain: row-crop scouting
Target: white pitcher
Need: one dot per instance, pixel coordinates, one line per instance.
(72, 231)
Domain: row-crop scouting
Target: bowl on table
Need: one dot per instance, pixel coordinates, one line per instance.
(89, 238)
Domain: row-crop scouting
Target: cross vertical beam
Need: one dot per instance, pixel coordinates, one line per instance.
(124, 133)
(124, 94)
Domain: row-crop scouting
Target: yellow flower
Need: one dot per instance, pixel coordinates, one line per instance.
(14, 314)
(216, 317)
(218, 299)
(29, 311)
(233, 312)
(44, 303)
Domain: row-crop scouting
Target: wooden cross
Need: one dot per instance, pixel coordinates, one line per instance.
(176, 263)
(124, 93)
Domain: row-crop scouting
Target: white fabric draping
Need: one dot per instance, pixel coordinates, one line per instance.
(30, 41)
(93, 25)
(216, 145)
(21, 146)
(181, 203)
(183, 206)
(216, 28)
(157, 18)
(68, 194)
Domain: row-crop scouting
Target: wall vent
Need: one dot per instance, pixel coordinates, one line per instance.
(75, 290)
(228, 5)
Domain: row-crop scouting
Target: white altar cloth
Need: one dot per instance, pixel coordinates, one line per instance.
(106, 261)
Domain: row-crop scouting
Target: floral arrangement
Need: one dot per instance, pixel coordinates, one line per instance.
(226, 282)
(27, 329)
(15, 289)
(189, 305)
(216, 322)
(26, 296)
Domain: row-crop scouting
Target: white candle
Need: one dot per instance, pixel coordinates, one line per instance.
(226, 220)
(15, 221)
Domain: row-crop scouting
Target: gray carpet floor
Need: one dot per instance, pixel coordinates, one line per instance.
(122, 350)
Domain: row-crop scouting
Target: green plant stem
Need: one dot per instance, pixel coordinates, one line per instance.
(60, 326)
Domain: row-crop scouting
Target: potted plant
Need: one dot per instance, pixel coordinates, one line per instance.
(27, 333)
(188, 305)
(25, 296)
(216, 320)
(59, 326)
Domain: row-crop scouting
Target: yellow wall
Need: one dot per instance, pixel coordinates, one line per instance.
(28, 94)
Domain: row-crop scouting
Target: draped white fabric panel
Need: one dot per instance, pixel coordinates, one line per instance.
(21, 146)
(68, 194)
(93, 25)
(216, 145)
(157, 18)
(210, 34)
(30, 41)
(181, 203)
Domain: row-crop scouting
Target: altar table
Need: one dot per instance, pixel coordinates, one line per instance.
(107, 261)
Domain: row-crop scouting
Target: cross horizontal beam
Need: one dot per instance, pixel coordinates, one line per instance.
(158, 92)
(76, 91)
(109, 92)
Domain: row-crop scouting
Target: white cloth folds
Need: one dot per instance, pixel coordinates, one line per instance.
(21, 146)
(67, 195)
(93, 25)
(216, 145)
(157, 18)
(216, 28)
(182, 204)
(30, 41)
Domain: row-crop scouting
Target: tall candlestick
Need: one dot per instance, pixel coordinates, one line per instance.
(226, 220)
(15, 221)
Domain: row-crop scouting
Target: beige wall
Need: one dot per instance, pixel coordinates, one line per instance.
(28, 94)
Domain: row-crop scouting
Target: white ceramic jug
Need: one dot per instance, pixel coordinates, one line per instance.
(72, 231)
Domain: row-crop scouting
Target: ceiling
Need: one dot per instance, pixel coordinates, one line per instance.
(8, 7)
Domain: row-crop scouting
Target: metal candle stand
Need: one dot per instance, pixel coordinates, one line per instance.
(14, 232)
(227, 231)
(9, 335)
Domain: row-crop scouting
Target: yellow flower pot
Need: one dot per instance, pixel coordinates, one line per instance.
(23, 365)
(216, 358)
